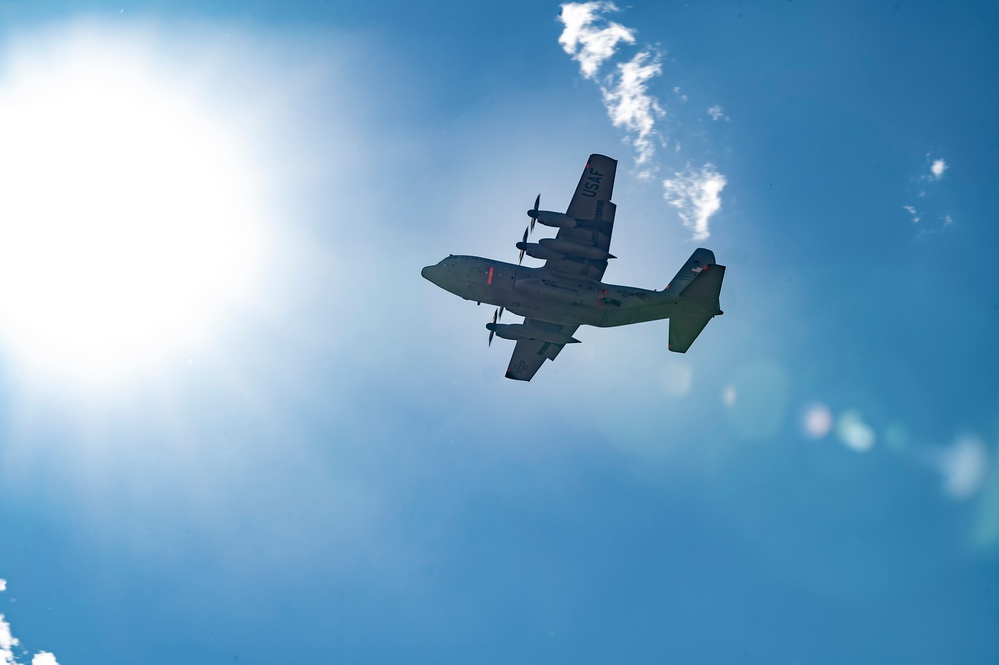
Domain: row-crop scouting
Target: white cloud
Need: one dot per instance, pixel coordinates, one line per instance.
(937, 168)
(716, 112)
(629, 104)
(8, 642)
(912, 211)
(697, 196)
(588, 45)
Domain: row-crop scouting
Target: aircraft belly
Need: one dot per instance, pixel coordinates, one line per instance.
(641, 314)
(591, 313)
(566, 303)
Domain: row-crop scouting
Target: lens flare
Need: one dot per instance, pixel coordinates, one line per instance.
(728, 396)
(757, 399)
(964, 467)
(677, 378)
(127, 213)
(817, 421)
(854, 433)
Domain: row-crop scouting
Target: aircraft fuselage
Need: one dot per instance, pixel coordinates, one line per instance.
(543, 294)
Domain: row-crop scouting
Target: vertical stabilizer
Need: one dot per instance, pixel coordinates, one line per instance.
(694, 265)
(698, 305)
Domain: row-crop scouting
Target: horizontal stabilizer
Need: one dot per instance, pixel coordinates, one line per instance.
(684, 329)
(694, 265)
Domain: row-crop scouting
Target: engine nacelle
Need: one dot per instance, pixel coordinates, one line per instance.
(519, 331)
(576, 249)
(537, 251)
(550, 218)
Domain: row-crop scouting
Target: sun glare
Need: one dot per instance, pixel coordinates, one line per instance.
(128, 219)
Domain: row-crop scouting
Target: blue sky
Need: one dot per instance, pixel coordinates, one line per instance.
(236, 424)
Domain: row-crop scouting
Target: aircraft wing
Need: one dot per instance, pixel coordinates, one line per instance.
(530, 354)
(591, 205)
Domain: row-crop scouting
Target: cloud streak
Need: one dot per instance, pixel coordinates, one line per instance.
(631, 107)
(593, 41)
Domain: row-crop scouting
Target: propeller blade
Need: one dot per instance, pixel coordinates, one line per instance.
(493, 332)
(500, 313)
(520, 261)
(534, 217)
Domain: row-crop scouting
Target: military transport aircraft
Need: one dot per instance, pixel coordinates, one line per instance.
(566, 292)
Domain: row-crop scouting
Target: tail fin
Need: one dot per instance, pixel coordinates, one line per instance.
(694, 265)
(698, 305)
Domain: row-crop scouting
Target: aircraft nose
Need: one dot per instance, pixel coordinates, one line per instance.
(432, 274)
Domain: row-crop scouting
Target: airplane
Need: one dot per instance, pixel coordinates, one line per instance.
(567, 291)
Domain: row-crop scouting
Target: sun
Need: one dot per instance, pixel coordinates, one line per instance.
(130, 220)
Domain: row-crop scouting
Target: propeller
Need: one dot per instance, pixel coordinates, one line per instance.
(534, 212)
(492, 332)
(521, 260)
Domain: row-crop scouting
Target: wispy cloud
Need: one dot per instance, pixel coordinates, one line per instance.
(717, 113)
(696, 195)
(593, 41)
(631, 107)
(929, 211)
(588, 45)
